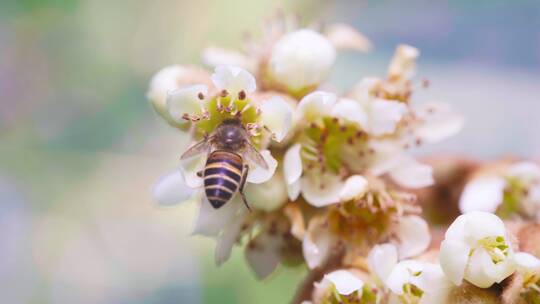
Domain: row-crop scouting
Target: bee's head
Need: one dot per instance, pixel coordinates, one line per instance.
(231, 135)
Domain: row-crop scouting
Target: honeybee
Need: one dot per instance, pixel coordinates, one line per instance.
(225, 171)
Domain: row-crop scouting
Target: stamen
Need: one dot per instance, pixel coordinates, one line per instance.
(200, 95)
(242, 95)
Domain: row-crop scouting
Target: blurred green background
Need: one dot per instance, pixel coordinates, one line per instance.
(80, 147)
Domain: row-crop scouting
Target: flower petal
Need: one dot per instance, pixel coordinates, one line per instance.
(480, 271)
(190, 167)
(351, 110)
(316, 105)
(216, 56)
(382, 259)
(233, 79)
(296, 218)
(292, 164)
(384, 116)
(301, 59)
(171, 189)
(409, 173)
(269, 195)
(317, 244)
(480, 225)
(258, 174)
(527, 262)
(293, 190)
(263, 254)
(453, 258)
(355, 186)
(321, 189)
(402, 274)
(211, 221)
(345, 282)
(345, 37)
(413, 234)
(482, 194)
(169, 79)
(526, 170)
(435, 285)
(185, 101)
(439, 121)
(277, 116)
(226, 241)
(403, 64)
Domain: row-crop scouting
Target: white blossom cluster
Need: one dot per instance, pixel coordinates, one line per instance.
(338, 171)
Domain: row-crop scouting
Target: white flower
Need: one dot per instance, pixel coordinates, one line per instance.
(418, 282)
(301, 59)
(477, 248)
(192, 104)
(529, 267)
(320, 188)
(521, 182)
(527, 175)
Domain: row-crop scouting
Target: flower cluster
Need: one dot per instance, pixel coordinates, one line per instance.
(336, 185)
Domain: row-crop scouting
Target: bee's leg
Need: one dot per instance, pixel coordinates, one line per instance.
(242, 184)
(200, 173)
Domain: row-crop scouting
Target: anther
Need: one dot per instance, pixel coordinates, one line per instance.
(200, 95)
(343, 128)
(224, 93)
(241, 95)
(350, 140)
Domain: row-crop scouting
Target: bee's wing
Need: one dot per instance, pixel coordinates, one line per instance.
(201, 147)
(251, 152)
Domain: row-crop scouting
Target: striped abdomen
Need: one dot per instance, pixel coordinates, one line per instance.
(222, 176)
